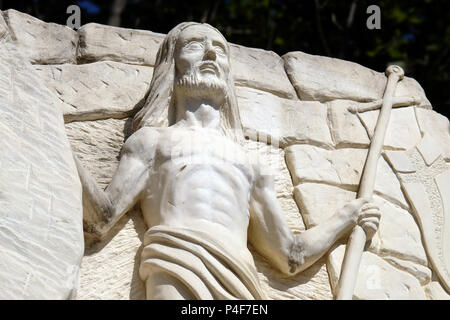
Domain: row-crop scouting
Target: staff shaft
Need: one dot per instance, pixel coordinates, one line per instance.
(357, 239)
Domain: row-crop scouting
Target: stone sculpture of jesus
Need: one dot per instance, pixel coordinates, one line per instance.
(201, 197)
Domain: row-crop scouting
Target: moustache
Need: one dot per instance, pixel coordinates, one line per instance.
(209, 66)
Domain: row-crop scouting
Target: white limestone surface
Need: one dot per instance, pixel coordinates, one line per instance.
(40, 42)
(105, 43)
(321, 78)
(97, 90)
(41, 232)
(108, 77)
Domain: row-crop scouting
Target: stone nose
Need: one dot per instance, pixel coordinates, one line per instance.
(210, 53)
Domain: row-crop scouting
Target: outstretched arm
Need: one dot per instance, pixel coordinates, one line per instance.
(126, 186)
(270, 235)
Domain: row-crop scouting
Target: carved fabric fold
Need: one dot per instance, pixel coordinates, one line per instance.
(200, 263)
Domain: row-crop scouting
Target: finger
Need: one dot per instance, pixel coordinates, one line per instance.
(370, 213)
(371, 217)
(369, 205)
(369, 228)
(369, 210)
(358, 203)
(375, 221)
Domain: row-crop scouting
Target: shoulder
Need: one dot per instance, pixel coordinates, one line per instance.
(142, 143)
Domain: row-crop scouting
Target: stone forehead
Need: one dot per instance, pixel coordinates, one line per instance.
(201, 30)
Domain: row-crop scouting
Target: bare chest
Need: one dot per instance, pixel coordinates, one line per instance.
(200, 176)
(199, 146)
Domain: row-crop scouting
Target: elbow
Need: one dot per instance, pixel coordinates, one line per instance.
(296, 257)
(292, 260)
(108, 210)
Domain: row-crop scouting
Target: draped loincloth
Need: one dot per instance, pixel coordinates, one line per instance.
(200, 263)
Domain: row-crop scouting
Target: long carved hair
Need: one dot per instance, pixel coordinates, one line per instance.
(159, 108)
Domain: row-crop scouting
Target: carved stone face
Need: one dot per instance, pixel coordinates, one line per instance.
(201, 57)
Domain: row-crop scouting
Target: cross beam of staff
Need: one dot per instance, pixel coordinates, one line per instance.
(357, 240)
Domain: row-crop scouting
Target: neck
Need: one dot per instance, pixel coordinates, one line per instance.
(198, 112)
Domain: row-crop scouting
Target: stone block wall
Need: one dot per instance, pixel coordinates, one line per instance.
(100, 77)
(41, 232)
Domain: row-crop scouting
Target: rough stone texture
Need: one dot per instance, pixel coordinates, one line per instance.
(271, 160)
(110, 268)
(388, 187)
(98, 90)
(247, 71)
(438, 127)
(398, 234)
(97, 145)
(409, 87)
(443, 184)
(341, 167)
(318, 202)
(428, 149)
(5, 34)
(344, 79)
(40, 42)
(427, 190)
(41, 233)
(422, 273)
(403, 132)
(320, 78)
(435, 291)
(346, 128)
(115, 67)
(377, 279)
(285, 121)
(399, 161)
(105, 43)
(398, 238)
(310, 284)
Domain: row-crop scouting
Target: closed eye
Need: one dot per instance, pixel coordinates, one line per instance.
(219, 50)
(194, 45)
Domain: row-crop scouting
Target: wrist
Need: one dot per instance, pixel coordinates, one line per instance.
(344, 222)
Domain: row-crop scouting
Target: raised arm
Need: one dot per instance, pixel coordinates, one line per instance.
(270, 235)
(125, 189)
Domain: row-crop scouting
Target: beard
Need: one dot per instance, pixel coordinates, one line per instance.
(201, 86)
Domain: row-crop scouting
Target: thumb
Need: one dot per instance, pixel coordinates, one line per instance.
(358, 203)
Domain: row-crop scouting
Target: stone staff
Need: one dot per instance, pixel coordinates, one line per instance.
(357, 240)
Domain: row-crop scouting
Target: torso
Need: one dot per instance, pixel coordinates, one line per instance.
(199, 180)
